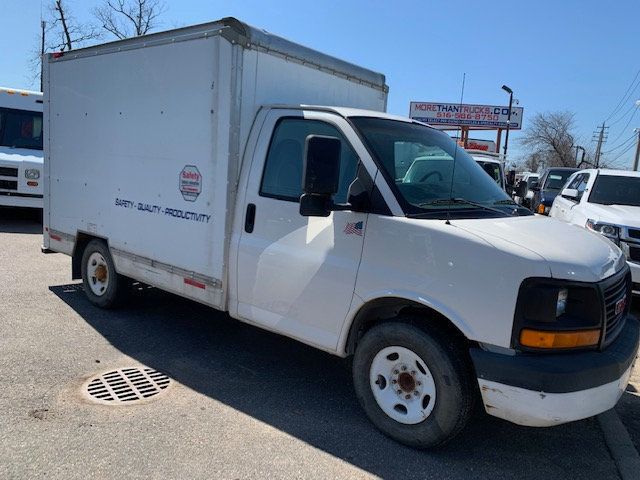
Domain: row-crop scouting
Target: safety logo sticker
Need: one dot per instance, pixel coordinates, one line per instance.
(354, 228)
(190, 182)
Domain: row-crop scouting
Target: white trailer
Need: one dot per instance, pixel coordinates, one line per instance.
(193, 161)
(21, 157)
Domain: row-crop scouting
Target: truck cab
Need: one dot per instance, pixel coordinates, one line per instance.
(492, 163)
(21, 155)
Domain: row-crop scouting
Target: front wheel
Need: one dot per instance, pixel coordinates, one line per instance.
(102, 285)
(414, 383)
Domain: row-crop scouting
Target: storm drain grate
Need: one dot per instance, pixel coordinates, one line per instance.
(127, 385)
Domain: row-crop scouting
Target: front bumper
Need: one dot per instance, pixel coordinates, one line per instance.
(541, 390)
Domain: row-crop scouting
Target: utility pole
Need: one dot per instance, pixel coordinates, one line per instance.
(579, 147)
(506, 139)
(43, 25)
(635, 162)
(601, 140)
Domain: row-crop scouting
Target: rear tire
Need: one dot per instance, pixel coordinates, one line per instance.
(414, 383)
(103, 286)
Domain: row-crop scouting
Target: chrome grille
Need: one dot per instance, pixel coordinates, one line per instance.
(8, 172)
(616, 289)
(8, 185)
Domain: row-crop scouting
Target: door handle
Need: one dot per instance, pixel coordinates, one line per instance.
(250, 218)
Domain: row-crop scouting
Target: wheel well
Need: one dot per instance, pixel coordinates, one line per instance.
(385, 309)
(82, 239)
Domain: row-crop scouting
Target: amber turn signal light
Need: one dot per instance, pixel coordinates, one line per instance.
(541, 339)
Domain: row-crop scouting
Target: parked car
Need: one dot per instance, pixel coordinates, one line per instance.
(549, 185)
(607, 202)
(209, 173)
(21, 157)
(523, 188)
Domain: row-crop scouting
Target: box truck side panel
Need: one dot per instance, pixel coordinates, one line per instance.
(136, 140)
(269, 78)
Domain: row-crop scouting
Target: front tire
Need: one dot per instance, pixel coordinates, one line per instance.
(103, 286)
(414, 383)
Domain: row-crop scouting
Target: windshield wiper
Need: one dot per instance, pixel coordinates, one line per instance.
(506, 201)
(449, 201)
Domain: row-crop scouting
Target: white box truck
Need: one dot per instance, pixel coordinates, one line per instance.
(192, 161)
(21, 156)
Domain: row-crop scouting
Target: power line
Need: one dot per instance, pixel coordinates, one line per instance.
(631, 138)
(627, 125)
(631, 107)
(624, 97)
(624, 152)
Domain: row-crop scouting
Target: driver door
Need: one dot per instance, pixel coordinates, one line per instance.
(296, 275)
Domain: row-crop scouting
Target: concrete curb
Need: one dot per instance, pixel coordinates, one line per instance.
(620, 445)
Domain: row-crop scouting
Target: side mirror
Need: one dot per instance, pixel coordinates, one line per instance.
(320, 175)
(571, 194)
(535, 186)
(521, 189)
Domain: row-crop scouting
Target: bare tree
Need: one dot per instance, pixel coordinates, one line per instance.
(63, 33)
(550, 140)
(129, 18)
(66, 31)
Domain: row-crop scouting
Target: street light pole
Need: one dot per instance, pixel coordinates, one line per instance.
(637, 159)
(43, 26)
(506, 138)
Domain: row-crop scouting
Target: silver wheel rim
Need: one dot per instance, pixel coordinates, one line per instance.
(97, 274)
(402, 385)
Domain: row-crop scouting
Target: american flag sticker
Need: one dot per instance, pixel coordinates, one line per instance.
(355, 227)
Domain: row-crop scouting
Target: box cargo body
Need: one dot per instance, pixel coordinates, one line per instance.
(145, 139)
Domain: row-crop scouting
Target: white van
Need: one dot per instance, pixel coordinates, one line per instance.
(192, 160)
(606, 202)
(492, 163)
(21, 158)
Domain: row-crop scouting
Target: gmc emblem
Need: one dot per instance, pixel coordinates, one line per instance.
(620, 305)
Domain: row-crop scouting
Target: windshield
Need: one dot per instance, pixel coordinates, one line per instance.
(419, 163)
(20, 129)
(616, 190)
(556, 179)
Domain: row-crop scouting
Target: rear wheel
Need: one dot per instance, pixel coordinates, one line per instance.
(102, 285)
(414, 383)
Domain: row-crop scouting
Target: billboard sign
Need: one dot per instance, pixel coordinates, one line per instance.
(452, 115)
(477, 144)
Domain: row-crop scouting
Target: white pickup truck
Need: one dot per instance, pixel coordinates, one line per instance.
(192, 160)
(21, 157)
(606, 202)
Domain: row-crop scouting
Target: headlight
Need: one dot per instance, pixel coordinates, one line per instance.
(554, 315)
(32, 173)
(608, 230)
(543, 209)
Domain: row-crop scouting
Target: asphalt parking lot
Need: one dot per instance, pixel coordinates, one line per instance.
(243, 403)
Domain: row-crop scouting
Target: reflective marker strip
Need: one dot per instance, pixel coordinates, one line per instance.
(194, 283)
(55, 237)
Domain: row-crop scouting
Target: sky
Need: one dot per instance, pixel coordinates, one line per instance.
(556, 55)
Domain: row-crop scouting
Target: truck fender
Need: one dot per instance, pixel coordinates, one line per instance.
(379, 306)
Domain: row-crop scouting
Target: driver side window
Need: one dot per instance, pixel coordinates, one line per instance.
(282, 176)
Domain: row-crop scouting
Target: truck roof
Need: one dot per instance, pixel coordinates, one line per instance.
(20, 99)
(243, 34)
(610, 171)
